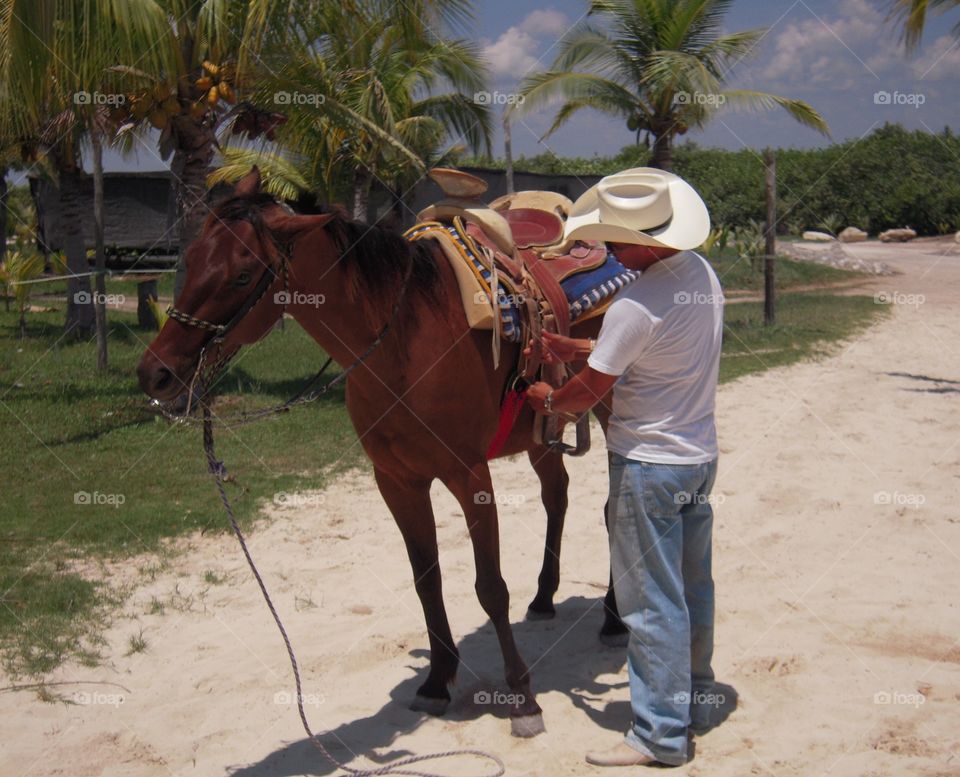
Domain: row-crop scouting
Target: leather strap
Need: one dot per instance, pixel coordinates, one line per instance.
(550, 289)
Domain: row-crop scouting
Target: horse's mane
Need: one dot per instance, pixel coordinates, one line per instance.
(374, 258)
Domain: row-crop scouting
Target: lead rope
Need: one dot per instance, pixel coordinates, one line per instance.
(219, 471)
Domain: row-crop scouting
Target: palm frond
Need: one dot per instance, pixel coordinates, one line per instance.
(281, 176)
(798, 109)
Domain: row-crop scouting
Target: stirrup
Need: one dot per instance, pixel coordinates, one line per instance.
(548, 431)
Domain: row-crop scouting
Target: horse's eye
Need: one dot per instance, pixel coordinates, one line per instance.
(243, 279)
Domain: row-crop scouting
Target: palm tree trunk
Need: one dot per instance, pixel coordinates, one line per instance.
(99, 303)
(196, 142)
(80, 316)
(4, 196)
(662, 152)
(361, 194)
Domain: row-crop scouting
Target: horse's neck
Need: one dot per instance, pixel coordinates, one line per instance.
(328, 311)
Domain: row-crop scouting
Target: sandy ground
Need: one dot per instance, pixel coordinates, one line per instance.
(837, 561)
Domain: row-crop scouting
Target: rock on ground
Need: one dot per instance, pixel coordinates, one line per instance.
(853, 235)
(897, 235)
(834, 256)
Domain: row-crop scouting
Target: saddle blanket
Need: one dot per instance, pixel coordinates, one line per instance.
(588, 293)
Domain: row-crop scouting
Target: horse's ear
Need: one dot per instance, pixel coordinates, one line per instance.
(289, 227)
(249, 185)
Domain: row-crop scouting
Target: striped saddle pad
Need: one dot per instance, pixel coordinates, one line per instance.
(588, 292)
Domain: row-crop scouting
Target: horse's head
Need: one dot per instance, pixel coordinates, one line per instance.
(234, 288)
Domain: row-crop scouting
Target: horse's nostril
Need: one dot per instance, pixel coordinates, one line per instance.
(161, 379)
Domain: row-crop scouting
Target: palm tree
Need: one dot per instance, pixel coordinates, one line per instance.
(377, 96)
(913, 15)
(658, 64)
(55, 57)
(223, 47)
(215, 46)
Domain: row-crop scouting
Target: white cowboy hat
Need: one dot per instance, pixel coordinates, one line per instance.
(644, 206)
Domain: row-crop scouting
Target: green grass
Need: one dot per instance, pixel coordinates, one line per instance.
(809, 325)
(68, 430)
(738, 274)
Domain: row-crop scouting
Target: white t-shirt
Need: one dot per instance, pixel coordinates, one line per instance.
(662, 336)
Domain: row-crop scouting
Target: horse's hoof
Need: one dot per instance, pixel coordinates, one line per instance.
(539, 614)
(617, 639)
(527, 726)
(429, 705)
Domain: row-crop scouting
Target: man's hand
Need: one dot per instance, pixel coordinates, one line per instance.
(557, 349)
(536, 394)
(577, 395)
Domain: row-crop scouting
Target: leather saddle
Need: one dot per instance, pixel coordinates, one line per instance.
(523, 235)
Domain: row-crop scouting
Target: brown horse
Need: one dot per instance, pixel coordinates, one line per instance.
(425, 402)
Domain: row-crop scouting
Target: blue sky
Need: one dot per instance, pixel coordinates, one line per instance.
(835, 55)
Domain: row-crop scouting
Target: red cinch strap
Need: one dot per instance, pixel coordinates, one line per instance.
(509, 412)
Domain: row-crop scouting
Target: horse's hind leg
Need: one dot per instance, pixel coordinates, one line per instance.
(412, 510)
(613, 632)
(553, 493)
(474, 492)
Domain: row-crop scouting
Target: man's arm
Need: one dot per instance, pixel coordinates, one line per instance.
(577, 395)
(555, 348)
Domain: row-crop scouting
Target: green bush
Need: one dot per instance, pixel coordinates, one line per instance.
(891, 178)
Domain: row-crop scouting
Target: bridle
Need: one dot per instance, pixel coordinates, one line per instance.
(220, 331)
(205, 373)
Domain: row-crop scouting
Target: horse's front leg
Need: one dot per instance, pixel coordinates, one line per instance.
(474, 491)
(409, 502)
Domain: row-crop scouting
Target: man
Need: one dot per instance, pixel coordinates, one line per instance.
(659, 349)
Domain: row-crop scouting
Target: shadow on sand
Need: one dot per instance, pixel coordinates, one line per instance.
(564, 655)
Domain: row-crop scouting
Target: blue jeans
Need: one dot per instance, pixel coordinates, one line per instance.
(660, 553)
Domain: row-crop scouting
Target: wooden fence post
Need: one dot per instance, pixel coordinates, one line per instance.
(769, 290)
(508, 151)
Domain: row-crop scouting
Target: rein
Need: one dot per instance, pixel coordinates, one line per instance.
(218, 469)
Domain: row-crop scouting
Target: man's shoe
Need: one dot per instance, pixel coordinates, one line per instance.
(620, 755)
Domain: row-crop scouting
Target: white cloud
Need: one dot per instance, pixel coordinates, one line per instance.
(546, 21)
(837, 49)
(939, 60)
(512, 54)
(515, 53)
